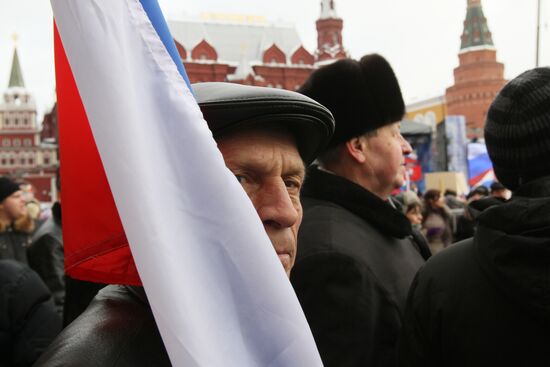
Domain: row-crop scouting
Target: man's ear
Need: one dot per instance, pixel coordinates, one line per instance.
(356, 148)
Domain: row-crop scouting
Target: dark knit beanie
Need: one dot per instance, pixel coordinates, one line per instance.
(362, 95)
(517, 131)
(7, 187)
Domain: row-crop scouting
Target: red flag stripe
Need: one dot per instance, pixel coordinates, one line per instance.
(96, 248)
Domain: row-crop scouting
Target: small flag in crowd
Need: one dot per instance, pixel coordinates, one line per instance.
(480, 168)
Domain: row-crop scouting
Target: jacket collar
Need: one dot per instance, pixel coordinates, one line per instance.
(326, 186)
(536, 188)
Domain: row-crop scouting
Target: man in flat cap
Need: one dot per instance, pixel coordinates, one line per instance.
(486, 300)
(267, 137)
(357, 255)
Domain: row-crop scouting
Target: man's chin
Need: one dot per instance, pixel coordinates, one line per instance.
(400, 180)
(286, 261)
(398, 184)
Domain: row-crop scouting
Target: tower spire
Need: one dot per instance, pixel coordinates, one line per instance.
(329, 34)
(16, 76)
(476, 32)
(327, 9)
(479, 76)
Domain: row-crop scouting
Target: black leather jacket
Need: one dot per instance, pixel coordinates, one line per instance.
(117, 329)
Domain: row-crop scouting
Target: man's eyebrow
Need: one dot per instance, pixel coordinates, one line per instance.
(292, 169)
(298, 169)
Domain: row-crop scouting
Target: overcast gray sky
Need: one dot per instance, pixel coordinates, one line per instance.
(420, 38)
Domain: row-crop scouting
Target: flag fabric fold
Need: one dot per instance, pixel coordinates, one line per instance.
(218, 292)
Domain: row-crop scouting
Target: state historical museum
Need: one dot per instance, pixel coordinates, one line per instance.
(249, 50)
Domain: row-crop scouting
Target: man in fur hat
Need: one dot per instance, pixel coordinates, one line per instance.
(356, 256)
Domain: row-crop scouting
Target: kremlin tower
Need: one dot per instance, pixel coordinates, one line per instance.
(23, 155)
(479, 76)
(329, 34)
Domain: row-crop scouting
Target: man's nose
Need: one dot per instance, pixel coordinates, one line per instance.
(405, 146)
(275, 206)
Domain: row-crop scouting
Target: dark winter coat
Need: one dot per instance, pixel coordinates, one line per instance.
(117, 329)
(28, 321)
(14, 244)
(46, 256)
(356, 260)
(486, 301)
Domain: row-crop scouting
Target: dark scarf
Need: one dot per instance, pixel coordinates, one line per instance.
(361, 202)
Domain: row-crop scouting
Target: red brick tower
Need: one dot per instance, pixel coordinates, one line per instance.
(22, 154)
(329, 34)
(479, 76)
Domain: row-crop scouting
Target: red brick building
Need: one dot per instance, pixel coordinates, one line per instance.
(246, 50)
(50, 130)
(479, 76)
(250, 50)
(23, 155)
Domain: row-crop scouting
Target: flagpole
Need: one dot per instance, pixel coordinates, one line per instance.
(538, 34)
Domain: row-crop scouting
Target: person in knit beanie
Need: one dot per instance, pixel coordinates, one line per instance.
(357, 253)
(15, 227)
(485, 301)
(517, 132)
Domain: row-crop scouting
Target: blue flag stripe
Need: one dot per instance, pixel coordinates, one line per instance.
(479, 165)
(154, 13)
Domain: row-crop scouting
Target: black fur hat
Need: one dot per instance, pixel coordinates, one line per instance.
(362, 95)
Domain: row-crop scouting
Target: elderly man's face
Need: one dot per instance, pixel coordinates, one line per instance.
(385, 165)
(271, 171)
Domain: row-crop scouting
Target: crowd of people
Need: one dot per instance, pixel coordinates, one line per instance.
(31, 275)
(431, 279)
(444, 218)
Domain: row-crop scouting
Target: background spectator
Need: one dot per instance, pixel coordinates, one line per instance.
(15, 225)
(46, 256)
(499, 191)
(437, 221)
(413, 211)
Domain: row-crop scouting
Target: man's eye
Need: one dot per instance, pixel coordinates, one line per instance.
(293, 184)
(241, 179)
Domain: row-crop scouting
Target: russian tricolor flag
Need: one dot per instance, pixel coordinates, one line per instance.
(147, 198)
(480, 167)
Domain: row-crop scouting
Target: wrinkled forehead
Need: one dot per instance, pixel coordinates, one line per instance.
(274, 129)
(254, 145)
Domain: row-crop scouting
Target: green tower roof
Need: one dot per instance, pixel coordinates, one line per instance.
(16, 77)
(476, 32)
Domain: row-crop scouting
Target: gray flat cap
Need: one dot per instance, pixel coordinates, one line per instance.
(228, 107)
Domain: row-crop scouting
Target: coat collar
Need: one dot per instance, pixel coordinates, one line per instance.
(326, 186)
(534, 189)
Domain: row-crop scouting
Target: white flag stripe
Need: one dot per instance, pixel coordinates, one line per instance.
(218, 292)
